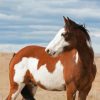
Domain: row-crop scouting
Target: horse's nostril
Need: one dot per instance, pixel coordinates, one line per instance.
(48, 51)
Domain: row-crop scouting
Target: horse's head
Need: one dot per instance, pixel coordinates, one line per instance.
(69, 37)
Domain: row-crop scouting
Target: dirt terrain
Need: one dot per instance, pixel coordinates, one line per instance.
(42, 94)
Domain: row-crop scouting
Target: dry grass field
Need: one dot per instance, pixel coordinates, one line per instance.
(42, 94)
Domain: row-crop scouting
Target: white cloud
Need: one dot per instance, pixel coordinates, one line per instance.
(96, 48)
(94, 29)
(96, 34)
(11, 17)
(77, 8)
(85, 13)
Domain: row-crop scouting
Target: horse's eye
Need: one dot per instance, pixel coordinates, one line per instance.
(63, 34)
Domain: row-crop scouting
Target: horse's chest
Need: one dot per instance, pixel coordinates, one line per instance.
(51, 81)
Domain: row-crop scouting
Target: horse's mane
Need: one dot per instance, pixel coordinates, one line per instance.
(85, 31)
(86, 53)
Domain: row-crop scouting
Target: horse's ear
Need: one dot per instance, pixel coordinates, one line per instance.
(70, 22)
(65, 20)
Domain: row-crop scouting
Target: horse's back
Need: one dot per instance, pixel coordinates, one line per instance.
(27, 51)
(30, 50)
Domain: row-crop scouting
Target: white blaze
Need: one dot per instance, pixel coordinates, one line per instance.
(58, 43)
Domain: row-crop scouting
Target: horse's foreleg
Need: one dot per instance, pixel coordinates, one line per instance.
(14, 91)
(71, 91)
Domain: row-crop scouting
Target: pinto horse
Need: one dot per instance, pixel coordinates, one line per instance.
(67, 63)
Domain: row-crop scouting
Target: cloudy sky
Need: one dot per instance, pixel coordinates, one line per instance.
(24, 22)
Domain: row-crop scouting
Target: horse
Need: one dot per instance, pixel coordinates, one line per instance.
(66, 64)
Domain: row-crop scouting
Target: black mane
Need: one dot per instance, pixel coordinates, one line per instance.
(88, 54)
(85, 31)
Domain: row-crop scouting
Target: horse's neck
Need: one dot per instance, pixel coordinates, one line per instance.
(68, 56)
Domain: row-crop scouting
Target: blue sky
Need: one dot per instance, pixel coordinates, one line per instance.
(24, 22)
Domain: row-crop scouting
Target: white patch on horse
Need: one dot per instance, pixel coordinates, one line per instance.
(20, 70)
(54, 80)
(51, 81)
(88, 43)
(58, 43)
(76, 57)
(20, 87)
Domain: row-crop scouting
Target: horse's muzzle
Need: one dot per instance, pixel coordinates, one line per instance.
(50, 52)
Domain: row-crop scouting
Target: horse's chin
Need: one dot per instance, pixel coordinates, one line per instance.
(54, 55)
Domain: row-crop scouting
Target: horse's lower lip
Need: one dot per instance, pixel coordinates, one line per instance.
(54, 53)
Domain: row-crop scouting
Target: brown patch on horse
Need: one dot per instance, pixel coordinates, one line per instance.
(29, 78)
